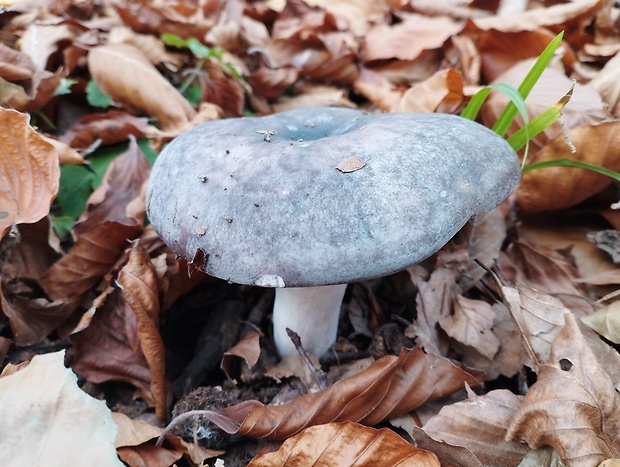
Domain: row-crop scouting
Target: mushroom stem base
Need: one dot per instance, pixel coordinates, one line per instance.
(312, 312)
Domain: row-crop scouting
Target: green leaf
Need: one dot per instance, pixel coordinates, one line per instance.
(474, 105)
(145, 145)
(76, 185)
(64, 87)
(96, 97)
(173, 40)
(193, 93)
(572, 163)
(62, 225)
(199, 49)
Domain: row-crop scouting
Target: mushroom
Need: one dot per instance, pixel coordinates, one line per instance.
(309, 200)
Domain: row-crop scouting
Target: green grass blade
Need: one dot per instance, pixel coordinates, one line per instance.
(575, 164)
(475, 103)
(540, 123)
(509, 113)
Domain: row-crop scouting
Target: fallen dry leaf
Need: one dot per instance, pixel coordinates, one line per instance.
(389, 387)
(147, 91)
(471, 325)
(247, 349)
(56, 419)
(135, 443)
(606, 322)
(442, 92)
(139, 285)
(408, 39)
(120, 196)
(563, 13)
(479, 424)
(108, 128)
(29, 172)
(346, 444)
(558, 188)
(539, 318)
(435, 297)
(607, 83)
(351, 164)
(573, 405)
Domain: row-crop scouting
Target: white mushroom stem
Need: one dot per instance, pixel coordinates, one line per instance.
(312, 312)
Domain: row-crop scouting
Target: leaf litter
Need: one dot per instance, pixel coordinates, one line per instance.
(131, 315)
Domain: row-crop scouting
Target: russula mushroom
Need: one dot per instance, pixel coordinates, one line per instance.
(276, 202)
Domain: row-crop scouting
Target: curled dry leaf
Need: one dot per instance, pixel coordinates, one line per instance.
(479, 424)
(120, 196)
(346, 444)
(442, 90)
(110, 127)
(92, 257)
(29, 172)
(390, 387)
(248, 349)
(56, 419)
(144, 91)
(573, 405)
(139, 283)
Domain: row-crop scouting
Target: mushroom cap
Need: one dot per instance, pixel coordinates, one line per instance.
(260, 201)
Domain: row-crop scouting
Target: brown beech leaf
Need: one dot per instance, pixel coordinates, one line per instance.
(435, 298)
(539, 318)
(539, 267)
(135, 444)
(109, 349)
(389, 387)
(33, 319)
(408, 39)
(120, 197)
(606, 322)
(66, 154)
(558, 188)
(139, 284)
(247, 349)
(40, 41)
(92, 256)
(537, 18)
(479, 424)
(484, 236)
(146, 91)
(346, 444)
(359, 14)
(110, 127)
(377, 89)
(471, 325)
(314, 95)
(573, 405)
(56, 419)
(500, 51)
(29, 172)
(444, 89)
(607, 83)
(15, 65)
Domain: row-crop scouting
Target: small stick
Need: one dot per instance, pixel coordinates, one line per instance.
(320, 378)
